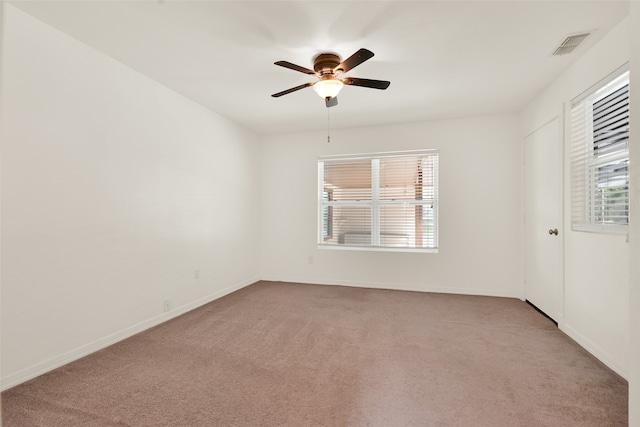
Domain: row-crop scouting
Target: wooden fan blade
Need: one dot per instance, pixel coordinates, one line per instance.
(293, 89)
(295, 67)
(331, 102)
(353, 61)
(375, 84)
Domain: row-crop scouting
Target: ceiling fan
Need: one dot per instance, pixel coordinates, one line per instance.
(327, 68)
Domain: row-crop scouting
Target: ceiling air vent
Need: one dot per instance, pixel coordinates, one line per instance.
(570, 43)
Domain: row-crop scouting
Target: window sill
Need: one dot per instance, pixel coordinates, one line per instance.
(378, 249)
(601, 228)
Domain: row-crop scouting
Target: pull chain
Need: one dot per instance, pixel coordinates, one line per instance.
(328, 125)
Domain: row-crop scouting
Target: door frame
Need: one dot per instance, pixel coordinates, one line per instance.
(560, 115)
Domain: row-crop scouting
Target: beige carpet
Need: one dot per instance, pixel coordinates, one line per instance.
(281, 354)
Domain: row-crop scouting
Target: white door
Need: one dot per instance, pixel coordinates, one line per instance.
(543, 234)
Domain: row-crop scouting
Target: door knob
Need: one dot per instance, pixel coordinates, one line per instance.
(554, 231)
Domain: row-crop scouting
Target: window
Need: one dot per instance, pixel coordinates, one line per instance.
(384, 201)
(600, 156)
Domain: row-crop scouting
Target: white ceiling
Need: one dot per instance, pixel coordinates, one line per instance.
(444, 59)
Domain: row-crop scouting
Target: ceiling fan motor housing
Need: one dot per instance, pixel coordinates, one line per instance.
(325, 63)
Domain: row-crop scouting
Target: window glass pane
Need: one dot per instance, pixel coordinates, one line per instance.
(352, 225)
(407, 178)
(348, 180)
(407, 225)
(611, 204)
(611, 123)
(400, 178)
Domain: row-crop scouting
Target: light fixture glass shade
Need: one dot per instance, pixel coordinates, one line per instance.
(328, 88)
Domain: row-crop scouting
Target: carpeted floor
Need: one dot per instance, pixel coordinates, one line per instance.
(282, 354)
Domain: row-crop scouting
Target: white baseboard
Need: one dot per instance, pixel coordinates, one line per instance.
(38, 369)
(595, 350)
(394, 286)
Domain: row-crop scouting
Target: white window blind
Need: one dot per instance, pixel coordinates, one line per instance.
(600, 156)
(384, 201)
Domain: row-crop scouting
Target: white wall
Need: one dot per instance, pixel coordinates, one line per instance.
(114, 190)
(634, 238)
(596, 283)
(480, 209)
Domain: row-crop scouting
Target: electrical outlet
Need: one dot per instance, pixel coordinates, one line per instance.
(310, 260)
(197, 273)
(166, 305)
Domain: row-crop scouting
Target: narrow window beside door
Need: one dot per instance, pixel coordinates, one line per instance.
(600, 156)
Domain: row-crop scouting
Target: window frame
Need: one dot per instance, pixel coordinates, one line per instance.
(376, 203)
(586, 163)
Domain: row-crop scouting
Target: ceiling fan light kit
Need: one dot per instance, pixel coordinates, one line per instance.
(327, 67)
(328, 88)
